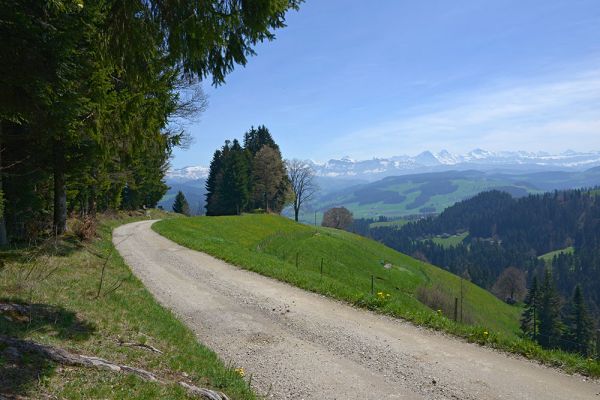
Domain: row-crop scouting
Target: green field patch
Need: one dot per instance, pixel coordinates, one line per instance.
(550, 255)
(450, 240)
(398, 223)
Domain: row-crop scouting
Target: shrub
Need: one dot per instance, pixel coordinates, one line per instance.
(437, 298)
(85, 228)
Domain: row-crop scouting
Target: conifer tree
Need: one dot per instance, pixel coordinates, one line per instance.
(180, 205)
(241, 180)
(235, 183)
(215, 176)
(89, 90)
(579, 325)
(530, 317)
(255, 139)
(549, 313)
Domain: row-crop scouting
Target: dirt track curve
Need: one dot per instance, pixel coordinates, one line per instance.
(300, 345)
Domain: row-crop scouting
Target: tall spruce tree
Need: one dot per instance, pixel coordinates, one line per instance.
(256, 138)
(235, 183)
(579, 325)
(530, 317)
(180, 204)
(88, 90)
(227, 185)
(549, 310)
(215, 176)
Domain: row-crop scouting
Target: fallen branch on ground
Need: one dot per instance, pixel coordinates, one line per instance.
(64, 357)
(142, 345)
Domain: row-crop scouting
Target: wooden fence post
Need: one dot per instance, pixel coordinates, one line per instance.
(455, 309)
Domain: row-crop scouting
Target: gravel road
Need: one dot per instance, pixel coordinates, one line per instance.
(300, 345)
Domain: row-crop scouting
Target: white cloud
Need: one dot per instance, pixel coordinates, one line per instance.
(553, 114)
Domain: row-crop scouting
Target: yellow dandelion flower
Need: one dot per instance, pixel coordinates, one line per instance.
(240, 372)
(485, 333)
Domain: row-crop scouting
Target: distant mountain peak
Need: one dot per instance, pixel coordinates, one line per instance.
(426, 161)
(189, 173)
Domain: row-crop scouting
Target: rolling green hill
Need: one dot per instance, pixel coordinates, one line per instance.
(270, 244)
(431, 193)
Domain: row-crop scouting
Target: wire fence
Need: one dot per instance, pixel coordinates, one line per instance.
(560, 342)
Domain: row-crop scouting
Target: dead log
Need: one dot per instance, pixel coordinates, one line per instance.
(64, 357)
(14, 308)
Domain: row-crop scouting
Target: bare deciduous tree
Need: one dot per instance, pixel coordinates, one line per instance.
(511, 285)
(302, 179)
(337, 217)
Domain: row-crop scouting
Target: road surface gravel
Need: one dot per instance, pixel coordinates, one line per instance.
(300, 345)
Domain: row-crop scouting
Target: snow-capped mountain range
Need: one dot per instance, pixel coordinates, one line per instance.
(184, 174)
(427, 161)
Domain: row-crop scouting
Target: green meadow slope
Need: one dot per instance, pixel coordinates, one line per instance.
(270, 244)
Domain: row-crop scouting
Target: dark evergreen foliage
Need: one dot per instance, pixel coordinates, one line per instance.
(232, 177)
(579, 325)
(530, 319)
(550, 325)
(256, 138)
(180, 204)
(90, 90)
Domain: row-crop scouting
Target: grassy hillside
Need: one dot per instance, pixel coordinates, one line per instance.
(269, 244)
(61, 279)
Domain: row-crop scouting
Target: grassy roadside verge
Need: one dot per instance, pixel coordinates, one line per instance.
(269, 245)
(62, 279)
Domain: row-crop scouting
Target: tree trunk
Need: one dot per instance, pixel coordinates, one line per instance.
(296, 212)
(60, 192)
(3, 236)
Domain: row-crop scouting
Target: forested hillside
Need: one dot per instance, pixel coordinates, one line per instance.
(502, 232)
(93, 95)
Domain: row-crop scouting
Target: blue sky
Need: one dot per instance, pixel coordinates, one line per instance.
(389, 77)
